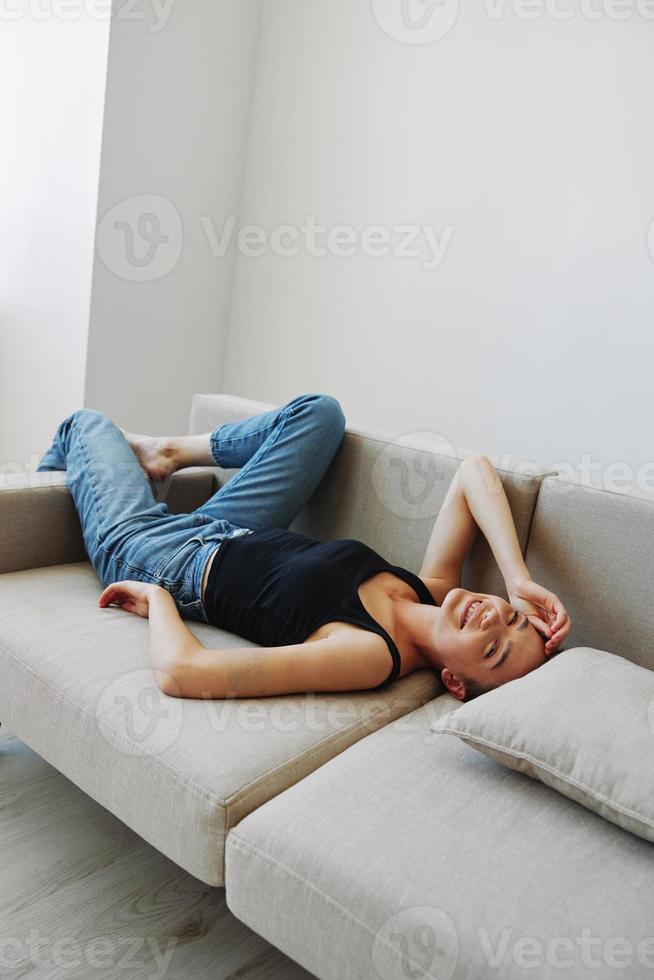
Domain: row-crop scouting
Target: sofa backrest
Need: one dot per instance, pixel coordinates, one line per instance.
(595, 549)
(385, 492)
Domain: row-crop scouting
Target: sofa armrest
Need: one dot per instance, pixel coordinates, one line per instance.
(39, 525)
(188, 488)
(38, 522)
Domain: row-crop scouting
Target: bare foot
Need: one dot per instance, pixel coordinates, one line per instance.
(158, 456)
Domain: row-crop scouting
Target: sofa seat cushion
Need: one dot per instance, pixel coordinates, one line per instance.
(76, 686)
(412, 854)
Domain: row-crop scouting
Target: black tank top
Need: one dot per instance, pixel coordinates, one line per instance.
(275, 587)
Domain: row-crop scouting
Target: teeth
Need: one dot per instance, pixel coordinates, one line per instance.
(471, 611)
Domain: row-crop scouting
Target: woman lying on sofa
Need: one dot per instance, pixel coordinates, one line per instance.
(326, 615)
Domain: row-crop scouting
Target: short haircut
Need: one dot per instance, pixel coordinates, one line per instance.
(473, 689)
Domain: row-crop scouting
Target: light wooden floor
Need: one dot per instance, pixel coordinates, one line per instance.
(83, 897)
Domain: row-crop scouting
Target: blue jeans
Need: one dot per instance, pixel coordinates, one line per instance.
(282, 456)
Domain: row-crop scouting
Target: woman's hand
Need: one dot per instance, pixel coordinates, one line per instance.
(133, 597)
(543, 609)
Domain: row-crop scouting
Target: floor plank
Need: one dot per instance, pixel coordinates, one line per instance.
(82, 896)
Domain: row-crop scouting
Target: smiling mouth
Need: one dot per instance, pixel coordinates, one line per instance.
(469, 611)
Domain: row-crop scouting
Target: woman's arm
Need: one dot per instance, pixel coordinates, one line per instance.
(475, 498)
(339, 662)
(343, 661)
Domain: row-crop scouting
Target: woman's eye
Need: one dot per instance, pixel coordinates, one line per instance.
(492, 650)
(513, 618)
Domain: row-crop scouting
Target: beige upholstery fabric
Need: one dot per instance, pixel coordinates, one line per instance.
(76, 685)
(384, 492)
(596, 551)
(39, 522)
(40, 525)
(583, 724)
(412, 854)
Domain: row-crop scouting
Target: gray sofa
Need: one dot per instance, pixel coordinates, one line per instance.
(345, 831)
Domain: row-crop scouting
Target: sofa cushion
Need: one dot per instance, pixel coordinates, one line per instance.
(411, 854)
(583, 724)
(386, 491)
(594, 549)
(77, 687)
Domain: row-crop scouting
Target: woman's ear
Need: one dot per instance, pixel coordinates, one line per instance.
(454, 685)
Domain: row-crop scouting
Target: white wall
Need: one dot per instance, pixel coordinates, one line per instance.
(52, 75)
(177, 119)
(532, 139)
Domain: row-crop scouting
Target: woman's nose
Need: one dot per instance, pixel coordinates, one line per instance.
(489, 616)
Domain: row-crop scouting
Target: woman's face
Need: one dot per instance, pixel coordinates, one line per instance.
(484, 638)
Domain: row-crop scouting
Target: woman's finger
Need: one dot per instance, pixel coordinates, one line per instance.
(540, 625)
(122, 601)
(111, 596)
(552, 617)
(558, 616)
(548, 600)
(560, 613)
(559, 636)
(540, 597)
(553, 643)
(563, 632)
(565, 624)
